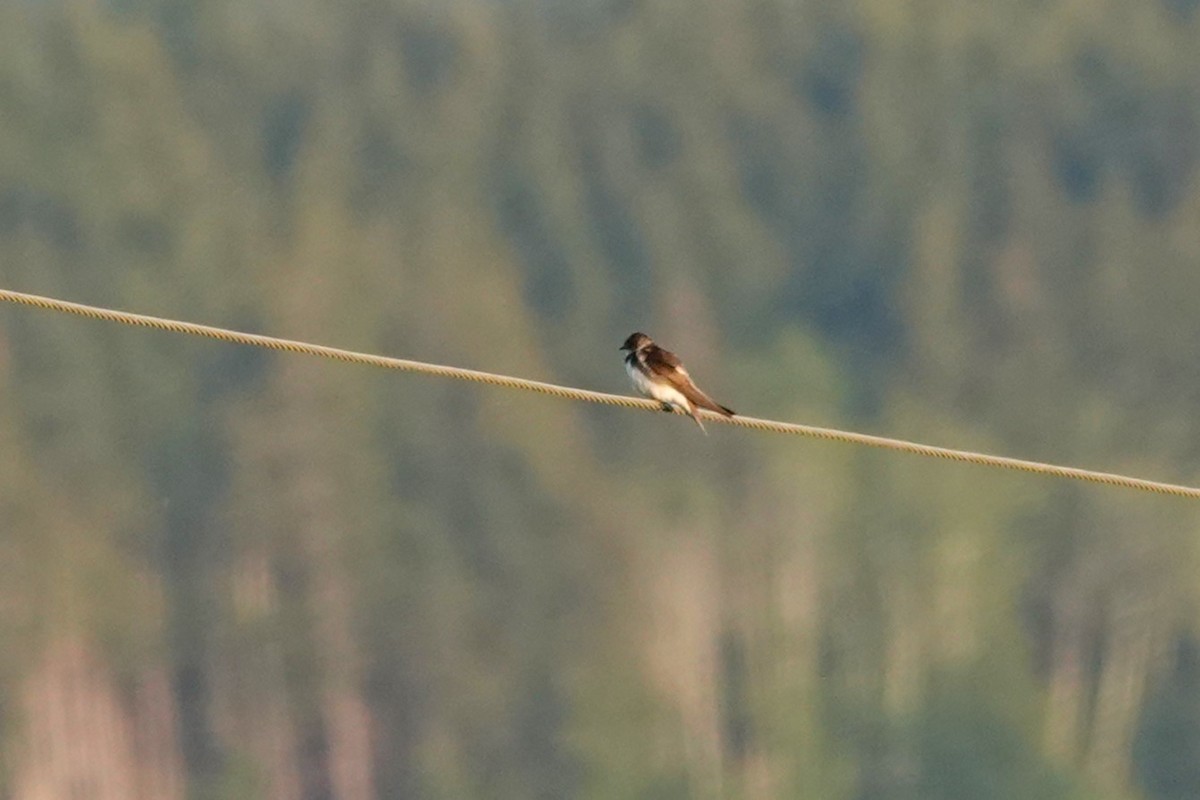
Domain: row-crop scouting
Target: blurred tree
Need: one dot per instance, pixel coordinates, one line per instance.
(274, 578)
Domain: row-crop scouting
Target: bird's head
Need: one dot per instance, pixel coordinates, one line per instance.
(636, 341)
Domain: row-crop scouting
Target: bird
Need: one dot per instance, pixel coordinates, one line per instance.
(659, 374)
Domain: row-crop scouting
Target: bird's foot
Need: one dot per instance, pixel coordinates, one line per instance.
(667, 407)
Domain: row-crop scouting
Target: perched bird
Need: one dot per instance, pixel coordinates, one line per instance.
(659, 374)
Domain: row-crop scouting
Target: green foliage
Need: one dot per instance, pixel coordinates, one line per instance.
(1168, 745)
(972, 226)
(963, 750)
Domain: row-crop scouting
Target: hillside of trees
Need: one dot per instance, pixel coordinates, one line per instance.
(231, 574)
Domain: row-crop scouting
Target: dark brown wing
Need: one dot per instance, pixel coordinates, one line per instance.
(666, 365)
(661, 361)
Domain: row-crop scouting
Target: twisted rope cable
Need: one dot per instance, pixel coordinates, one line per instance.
(572, 393)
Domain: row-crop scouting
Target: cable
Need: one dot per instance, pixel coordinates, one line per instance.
(571, 393)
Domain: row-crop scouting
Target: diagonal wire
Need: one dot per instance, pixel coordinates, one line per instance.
(572, 393)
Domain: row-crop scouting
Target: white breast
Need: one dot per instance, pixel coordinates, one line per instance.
(663, 393)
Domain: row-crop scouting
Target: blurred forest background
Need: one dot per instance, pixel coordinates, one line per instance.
(231, 574)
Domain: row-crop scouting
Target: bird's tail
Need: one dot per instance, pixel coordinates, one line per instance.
(704, 401)
(696, 416)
